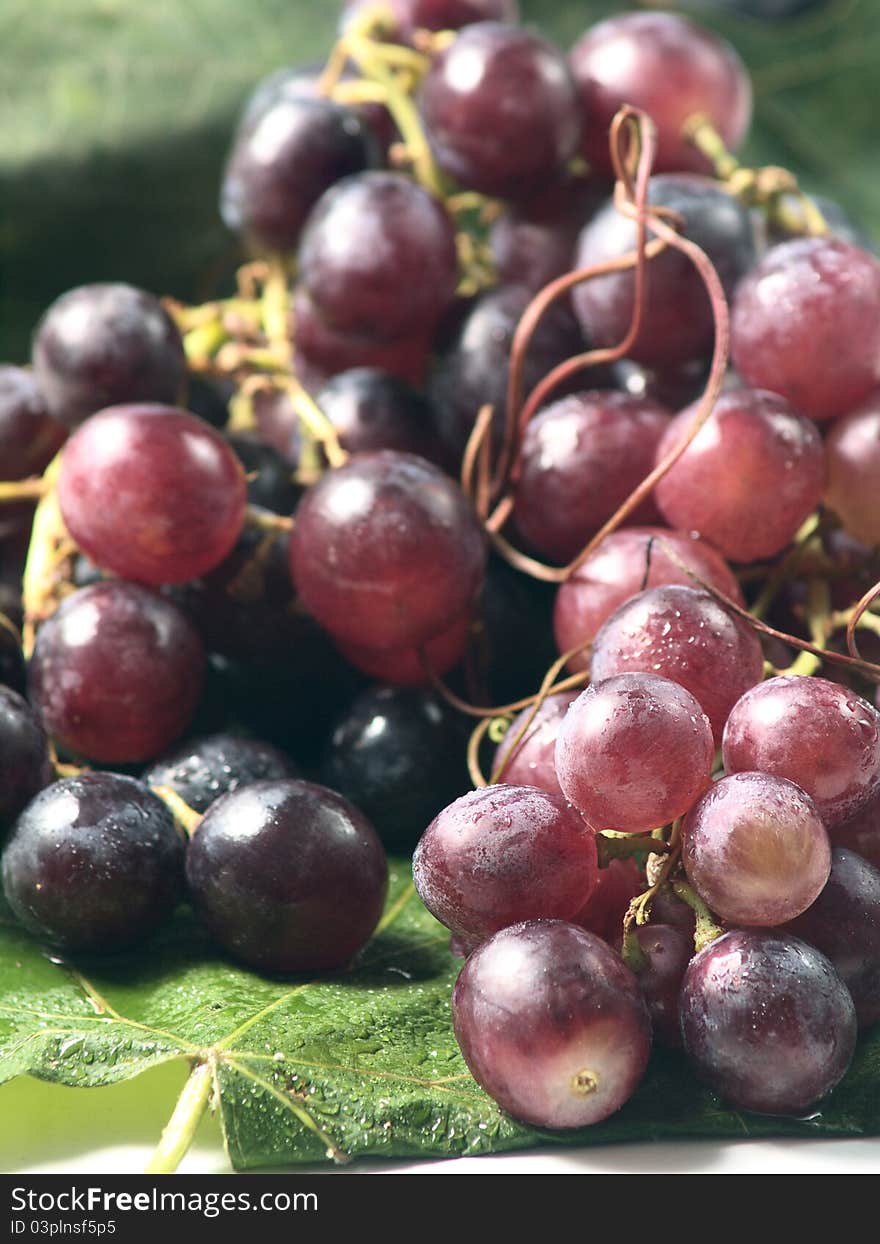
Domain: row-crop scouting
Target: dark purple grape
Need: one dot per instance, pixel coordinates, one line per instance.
(203, 769)
(281, 163)
(862, 832)
(500, 110)
(581, 457)
(413, 15)
(164, 478)
(672, 69)
(398, 755)
(100, 345)
(12, 668)
(853, 451)
(634, 752)
(844, 923)
(672, 387)
(475, 369)
(667, 951)
(551, 1024)
(288, 876)
(386, 552)
(514, 646)
(378, 257)
(29, 436)
(533, 242)
(25, 767)
(677, 324)
(322, 351)
(624, 564)
(806, 324)
(94, 863)
(766, 1021)
(502, 854)
(294, 82)
(755, 849)
(208, 397)
(372, 409)
(116, 673)
(682, 633)
(752, 474)
(531, 762)
(821, 736)
(272, 487)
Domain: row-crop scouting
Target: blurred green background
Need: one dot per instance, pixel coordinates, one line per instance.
(116, 114)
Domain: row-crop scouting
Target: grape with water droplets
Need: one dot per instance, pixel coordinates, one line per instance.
(205, 768)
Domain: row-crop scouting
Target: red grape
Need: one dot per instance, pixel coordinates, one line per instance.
(404, 667)
(616, 886)
(532, 762)
(853, 449)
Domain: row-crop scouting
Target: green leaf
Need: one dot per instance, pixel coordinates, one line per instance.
(362, 1063)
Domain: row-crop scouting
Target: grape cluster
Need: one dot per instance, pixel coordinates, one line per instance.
(243, 544)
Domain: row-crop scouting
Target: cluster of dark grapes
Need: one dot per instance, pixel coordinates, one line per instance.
(672, 846)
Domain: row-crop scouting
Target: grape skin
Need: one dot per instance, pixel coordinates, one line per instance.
(29, 436)
(532, 761)
(25, 767)
(853, 449)
(203, 769)
(551, 1024)
(766, 1021)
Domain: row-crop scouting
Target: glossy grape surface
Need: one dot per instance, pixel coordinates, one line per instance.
(766, 1021)
(531, 762)
(281, 163)
(288, 876)
(533, 241)
(500, 110)
(581, 458)
(372, 409)
(752, 474)
(25, 767)
(806, 324)
(378, 257)
(816, 733)
(116, 673)
(669, 67)
(413, 667)
(624, 564)
(682, 633)
(29, 436)
(502, 854)
(551, 1024)
(755, 849)
(386, 552)
(203, 769)
(677, 324)
(100, 345)
(634, 752)
(853, 450)
(861, 833)
(667, 951)
(164, 478)
(398, 755)
(94, 863)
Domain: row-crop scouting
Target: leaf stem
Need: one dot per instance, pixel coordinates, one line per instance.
(180, 1129)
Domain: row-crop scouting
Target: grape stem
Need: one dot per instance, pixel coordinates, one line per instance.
(615, 846)
(707, 929)
(180, 1130)
(22, 489)
(51, 550)
(185, 816)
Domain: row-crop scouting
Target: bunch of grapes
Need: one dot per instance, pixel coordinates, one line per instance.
(533, 408)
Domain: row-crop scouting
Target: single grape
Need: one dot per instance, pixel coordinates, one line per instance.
(378, 257)
(752, 474)
(551, 1024)
(101, 345)
(853, 449)
(412, 15)
(672, 69)
(677, 325)
(283, 160)
(164, 478)
(766, 1021)
(616, 886)
(270, 482)
(287, 876)
(502, 854)
(755, 849)
(634, 752)
(94, 863)
(819, 735)
(322, 351)
(667, 951)
(386, 552)
(398, 755)
(533, 241)
(500, 110)
(531, 761)
(844, 923)
(25, 767)
(203, 769)
(682, 633)
(806, 323)
(624, 564)
(29, 436)
(406, 667)
(372, 409)
(116, 673)
(474, 371)
(581, 457)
